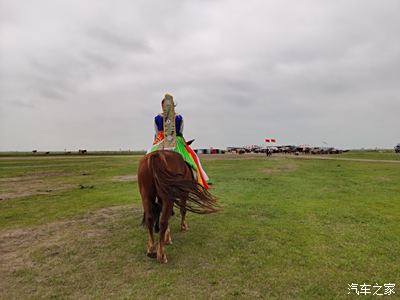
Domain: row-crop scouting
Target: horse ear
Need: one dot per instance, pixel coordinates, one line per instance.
(190, 142)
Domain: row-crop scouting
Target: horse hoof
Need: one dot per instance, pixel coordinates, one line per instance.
(162, 260)
(152, 254)
(168, 242)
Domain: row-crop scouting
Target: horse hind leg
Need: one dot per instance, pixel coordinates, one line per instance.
(156, 209)
(168, 238)
(165, 214)
(149, 220)
(184, 225)
(151, 245)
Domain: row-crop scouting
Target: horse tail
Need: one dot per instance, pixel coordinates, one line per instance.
(173, 186)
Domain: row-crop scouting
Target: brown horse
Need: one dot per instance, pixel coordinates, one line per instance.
(166, 180)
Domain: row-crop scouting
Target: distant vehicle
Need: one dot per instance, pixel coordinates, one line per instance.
(239, 150)
(315, 150)
(286, 149)
(397, 148)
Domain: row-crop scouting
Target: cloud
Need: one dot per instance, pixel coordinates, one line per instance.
(95, 72)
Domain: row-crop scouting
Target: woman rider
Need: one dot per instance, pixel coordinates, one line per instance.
(188, 155)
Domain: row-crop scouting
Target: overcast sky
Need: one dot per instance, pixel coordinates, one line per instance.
(91, 74)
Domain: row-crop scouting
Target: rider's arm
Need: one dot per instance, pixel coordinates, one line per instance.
(179, 124)
(182, 126)
(158, 124)
(155, 129)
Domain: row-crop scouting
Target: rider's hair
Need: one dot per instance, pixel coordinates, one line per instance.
(168, 96)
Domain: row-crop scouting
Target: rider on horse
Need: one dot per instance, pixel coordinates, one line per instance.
(179, 145)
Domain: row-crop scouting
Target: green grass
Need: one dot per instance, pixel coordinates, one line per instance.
(300, 229)
(41, 154)
(371, 154)
(86, 171)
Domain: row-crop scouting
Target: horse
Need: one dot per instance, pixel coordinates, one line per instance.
(165, 181)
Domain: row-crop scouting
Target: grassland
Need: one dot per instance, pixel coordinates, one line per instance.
(290, 229)
(372, 154)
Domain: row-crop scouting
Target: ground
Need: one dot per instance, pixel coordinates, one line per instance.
(290, 228)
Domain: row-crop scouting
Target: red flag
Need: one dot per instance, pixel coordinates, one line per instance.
(273, 141)
(267, 140)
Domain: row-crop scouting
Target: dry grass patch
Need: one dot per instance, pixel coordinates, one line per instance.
(32, 184)
(234, 156)
(280, 168)
(44, 249)
(125, 178)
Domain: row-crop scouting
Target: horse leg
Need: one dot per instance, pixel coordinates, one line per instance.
(165, 214)
(184, 225)
(149, 218)
(151, 246)
(168, 238)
